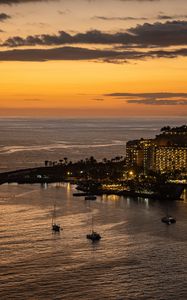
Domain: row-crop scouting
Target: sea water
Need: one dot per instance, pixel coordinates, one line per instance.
(29, 142)
(138, 256)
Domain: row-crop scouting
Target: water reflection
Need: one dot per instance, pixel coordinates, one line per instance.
(184, 195)
(146, 200)
(129, 262)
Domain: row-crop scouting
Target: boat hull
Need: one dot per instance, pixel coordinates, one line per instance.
(56, 228)
(168, 220)
(93, 236)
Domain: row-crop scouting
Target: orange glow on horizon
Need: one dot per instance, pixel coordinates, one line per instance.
(81, 86)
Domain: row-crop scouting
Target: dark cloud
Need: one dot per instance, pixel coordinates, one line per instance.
(159, 17)
(4, 17)
(165, 17)
(10, 2)
(148, 95)
(77, 53)
(171, 17)
(65, 53)
(160, 34)
(171, 33)
(140, 0)
(90, 37)
(119, 18)
(158, 102)
(127, 0)
(152, 98)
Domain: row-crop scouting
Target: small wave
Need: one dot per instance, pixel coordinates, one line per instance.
(60, 145)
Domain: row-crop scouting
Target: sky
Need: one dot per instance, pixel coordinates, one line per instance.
(93, 58)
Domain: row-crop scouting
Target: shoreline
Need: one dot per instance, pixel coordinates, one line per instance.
(47, 175)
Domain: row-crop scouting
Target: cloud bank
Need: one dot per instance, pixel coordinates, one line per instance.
(140, 42)
(171, 33)
(78, 53)
(152, 98)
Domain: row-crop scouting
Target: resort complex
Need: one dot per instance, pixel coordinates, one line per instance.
(166, 153)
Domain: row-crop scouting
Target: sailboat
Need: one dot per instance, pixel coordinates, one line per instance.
(93, 236)
(168, 219)
(55, 227)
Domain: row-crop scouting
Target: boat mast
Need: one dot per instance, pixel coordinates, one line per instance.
(92, 223)
(54, 215)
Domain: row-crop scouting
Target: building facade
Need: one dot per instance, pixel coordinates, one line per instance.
(168, 159)
(166, 153)
(134, 154)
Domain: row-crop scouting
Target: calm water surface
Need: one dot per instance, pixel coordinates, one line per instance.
(138, 257)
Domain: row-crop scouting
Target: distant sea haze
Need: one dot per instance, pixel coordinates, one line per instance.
(29, 142)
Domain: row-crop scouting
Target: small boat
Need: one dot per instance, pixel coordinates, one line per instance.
(55, 227)
(94, 236)
(90, 197)
(168, 220)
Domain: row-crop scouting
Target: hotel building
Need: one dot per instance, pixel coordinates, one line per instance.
(169, 158)
(166, 153)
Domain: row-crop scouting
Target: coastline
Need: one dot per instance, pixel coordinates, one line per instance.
(43, 175)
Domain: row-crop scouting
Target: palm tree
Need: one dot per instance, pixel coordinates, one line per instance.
(66, 160)
(60, 161)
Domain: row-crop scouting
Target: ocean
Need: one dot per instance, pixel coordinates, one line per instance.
(29, 142)
(138, 256)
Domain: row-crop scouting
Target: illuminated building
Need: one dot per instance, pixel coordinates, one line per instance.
(169, 158)
(167, 152)
(139, 153)
(134, 153)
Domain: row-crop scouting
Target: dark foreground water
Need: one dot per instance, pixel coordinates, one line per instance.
(137, 258)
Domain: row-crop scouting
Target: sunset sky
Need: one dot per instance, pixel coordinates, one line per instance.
(93, 58)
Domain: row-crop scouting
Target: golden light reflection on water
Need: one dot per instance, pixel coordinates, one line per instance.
(68, 189)
(110, 198)
(131, 237)
(184, 195)
(146, 200)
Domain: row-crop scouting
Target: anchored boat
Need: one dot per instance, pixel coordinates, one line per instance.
(93, 236)
(168, 220)
(55, 227)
